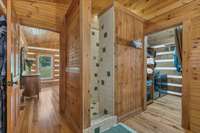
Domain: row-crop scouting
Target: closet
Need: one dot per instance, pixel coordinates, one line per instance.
(164, 68)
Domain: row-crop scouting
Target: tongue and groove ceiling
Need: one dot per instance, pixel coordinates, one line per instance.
(49, 14)
(148, 9)
(41, 38)
(45, 14)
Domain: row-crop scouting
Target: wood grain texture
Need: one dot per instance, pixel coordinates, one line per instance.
(43, 116)
(73, 89)
(99, 6)
(129, 65)
(49, 14)
(152, 8)
(9, 44)
(13, 48)
(41, 14)
(173, 17)
(85, 17)
(194, 67)
(36, 37)
(162, 116)
(188, 16)
(75, 43)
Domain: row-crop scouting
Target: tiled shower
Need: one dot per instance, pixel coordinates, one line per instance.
(102, 66)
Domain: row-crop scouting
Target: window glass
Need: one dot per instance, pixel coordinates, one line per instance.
(45, 67)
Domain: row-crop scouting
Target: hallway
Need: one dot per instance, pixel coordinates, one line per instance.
(43, 116)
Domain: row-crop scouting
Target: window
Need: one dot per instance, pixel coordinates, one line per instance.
(45, 66)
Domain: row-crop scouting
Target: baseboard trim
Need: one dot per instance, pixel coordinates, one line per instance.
(130, 114)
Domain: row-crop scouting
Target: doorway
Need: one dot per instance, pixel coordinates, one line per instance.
(41, 57)
(164, 88)
(164, 75)
(164, 67)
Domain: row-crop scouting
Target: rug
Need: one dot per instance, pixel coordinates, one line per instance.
(120, 128)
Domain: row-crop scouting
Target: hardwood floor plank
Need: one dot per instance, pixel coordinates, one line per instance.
(163, 116)
(42, 116)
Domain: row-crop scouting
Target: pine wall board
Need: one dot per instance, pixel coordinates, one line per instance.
(194, 62)
(129, 64)
(189, 17)
(75, 66)
(72, 91)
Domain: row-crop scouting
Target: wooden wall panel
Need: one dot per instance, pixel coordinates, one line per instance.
(188, 16)
(130, 65)
(75, 43)
(73, 91)
(194, 62)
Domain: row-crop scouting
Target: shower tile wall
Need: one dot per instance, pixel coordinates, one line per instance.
(94, 74)
(106, 64)
(102, 66)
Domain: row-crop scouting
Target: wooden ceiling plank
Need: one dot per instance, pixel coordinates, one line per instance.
(39, 17)
(36, 24)
(160, 6)
(48, 14)
(151, 8)
(42, 7)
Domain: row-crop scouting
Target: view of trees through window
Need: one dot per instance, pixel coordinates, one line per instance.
(45, 67)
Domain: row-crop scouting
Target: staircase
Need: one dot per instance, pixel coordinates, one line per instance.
(165, 65)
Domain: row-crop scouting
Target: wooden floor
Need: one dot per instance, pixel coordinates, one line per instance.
(42, 116)
(163, 116)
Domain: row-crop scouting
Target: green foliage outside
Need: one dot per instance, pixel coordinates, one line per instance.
(45, 66)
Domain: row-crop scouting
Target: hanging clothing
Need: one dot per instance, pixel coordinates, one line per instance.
(3, 70)
(178, 50)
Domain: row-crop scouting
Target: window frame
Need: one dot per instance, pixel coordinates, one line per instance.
(38, 66)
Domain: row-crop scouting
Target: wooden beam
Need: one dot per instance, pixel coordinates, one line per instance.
(2, 6)
(10, 125)
(186, 73)
(85, 17)
(152, 8)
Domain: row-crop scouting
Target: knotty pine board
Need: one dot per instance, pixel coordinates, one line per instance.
(75, 67)
(194, 67)
(129, 63)
(188, 16)
(73, 93)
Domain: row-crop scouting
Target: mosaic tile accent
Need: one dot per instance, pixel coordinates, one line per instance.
(106, 69)
(102, 66)
(94, 91)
